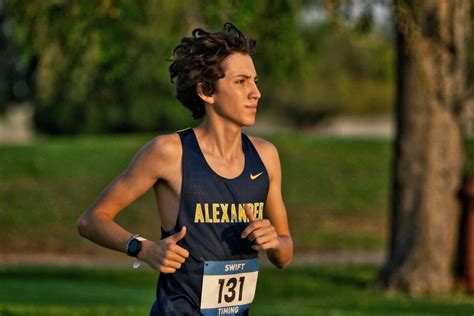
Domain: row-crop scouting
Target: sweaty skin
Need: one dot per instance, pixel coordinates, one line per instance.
(157, 165)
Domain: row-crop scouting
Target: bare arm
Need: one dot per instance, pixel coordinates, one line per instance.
(272, 233)
(97, 222)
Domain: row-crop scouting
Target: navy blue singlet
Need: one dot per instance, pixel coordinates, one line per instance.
(211, 208)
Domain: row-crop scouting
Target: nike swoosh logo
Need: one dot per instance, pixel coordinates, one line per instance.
(253, 177)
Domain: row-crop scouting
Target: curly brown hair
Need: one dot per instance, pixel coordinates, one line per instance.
(197, 59)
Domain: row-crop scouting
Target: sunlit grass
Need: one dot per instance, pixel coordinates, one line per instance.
(329, 186)
(294, 291)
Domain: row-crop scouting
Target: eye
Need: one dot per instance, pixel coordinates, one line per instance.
(241, 81)
(256, 81)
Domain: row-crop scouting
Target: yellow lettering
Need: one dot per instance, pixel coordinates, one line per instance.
(206, 213)
(220, 212)
(233, 213)
(198, 216)
(225, 216)
(215, 212)
(242, 216)
(256, 209)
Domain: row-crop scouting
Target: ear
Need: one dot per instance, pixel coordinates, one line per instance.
(209, 99)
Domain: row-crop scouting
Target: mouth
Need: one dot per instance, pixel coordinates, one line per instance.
(251, 108)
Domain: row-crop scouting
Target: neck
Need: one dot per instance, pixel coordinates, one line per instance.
(221, 138)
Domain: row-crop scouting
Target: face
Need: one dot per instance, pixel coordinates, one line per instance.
(236, 95)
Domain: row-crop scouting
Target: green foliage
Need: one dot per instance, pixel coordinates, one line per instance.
(311, 71)
(299, 291)
(343, 72)
(102, 64)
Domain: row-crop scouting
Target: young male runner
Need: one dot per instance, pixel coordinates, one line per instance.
(218, 190)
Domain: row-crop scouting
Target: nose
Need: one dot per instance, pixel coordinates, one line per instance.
(255, 92)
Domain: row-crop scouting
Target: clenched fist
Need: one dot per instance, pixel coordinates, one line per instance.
(165, 255)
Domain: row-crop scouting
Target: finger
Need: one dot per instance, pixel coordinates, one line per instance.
(254, 226)
(180, 251)
(266, 246)
(175, 257)
(249, 213)
(265, 239)
(178, 236)
(171, 264)
(261, 232)
(249, 229)
(164, 269)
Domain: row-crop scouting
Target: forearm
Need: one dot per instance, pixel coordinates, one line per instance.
(103, 231)
(283, 255)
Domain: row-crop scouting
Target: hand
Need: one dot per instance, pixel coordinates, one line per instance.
(261, 232)
(165, 255)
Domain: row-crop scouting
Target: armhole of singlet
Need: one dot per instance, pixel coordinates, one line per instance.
(181, 134)
(252, 147)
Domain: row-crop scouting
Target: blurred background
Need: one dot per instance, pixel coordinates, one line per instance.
(79, 72)
(102, 67)
(83, 85)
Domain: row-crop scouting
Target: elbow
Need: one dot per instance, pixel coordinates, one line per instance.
(83, 226)
(89, 223)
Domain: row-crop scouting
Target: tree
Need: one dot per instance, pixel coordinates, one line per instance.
(101, 65)
(432, 38)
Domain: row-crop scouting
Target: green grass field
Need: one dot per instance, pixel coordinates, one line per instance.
(325, 291)
(330, 186)
(296, 291)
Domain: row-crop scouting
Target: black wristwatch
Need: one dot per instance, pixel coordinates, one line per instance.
(134, 245)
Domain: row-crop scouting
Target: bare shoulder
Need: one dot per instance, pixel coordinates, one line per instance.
(166, 147)
(159, 156)
(264, 147)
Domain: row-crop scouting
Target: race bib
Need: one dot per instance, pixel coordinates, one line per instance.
(228, 287)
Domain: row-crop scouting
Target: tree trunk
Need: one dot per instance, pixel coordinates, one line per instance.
(429, 161)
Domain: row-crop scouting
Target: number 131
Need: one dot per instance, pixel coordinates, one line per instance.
(231, 289)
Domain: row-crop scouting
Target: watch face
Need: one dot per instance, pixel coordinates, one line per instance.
(134, 247)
